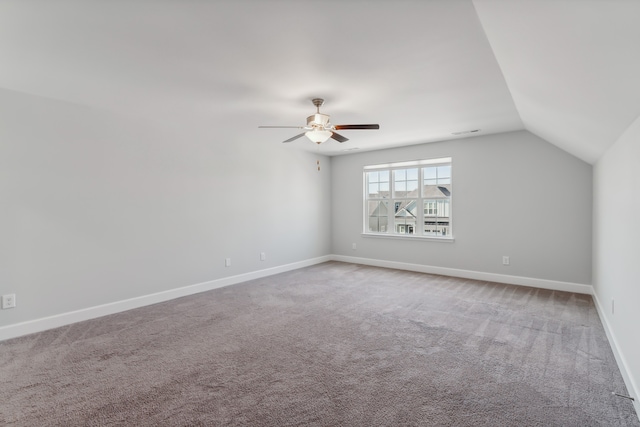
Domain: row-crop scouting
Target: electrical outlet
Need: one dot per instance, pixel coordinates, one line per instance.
(8, 301)
(505, 260)
(612, 305)
(227, 262)
(263, 256)
(353, 246)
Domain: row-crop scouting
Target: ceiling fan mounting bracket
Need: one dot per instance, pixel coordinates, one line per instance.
(318, 102)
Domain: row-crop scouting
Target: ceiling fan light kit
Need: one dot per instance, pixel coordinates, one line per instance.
(318, 136)
(319, 129)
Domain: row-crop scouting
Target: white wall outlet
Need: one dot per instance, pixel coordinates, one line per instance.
(8, 301)
(505, 260)
(263, 256)
(227, 262)
(613, 306)
(354, 246)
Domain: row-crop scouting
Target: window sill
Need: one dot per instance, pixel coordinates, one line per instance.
(448, 239)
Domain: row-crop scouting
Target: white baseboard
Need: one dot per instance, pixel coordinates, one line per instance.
(632, 387)
(42, 324)
(468, 274)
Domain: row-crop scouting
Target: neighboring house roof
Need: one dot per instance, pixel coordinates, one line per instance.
(407, 208)
(436, 191)
(407, 205)
(441, 191)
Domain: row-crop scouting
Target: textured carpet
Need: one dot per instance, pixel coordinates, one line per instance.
(330, 345)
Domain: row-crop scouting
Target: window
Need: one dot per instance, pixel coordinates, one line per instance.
(409, 198)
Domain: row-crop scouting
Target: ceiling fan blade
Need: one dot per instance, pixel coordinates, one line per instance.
(294, 137)
(338, 137)
(353, 127)
(282, 127)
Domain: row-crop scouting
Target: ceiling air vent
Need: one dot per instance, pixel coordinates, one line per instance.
(464, 132)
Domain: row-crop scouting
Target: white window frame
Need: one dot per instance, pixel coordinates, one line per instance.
(391, 199)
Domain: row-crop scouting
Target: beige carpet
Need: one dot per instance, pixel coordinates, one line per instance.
(330, 345)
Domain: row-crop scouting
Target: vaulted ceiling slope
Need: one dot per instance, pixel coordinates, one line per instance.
(572, 67)
(565, 70)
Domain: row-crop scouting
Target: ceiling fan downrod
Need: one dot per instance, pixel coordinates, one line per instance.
(318, 102)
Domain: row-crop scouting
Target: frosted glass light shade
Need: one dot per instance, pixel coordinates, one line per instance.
(318, 136)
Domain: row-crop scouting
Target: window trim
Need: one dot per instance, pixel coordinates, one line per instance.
(402, 165)
(446, 239)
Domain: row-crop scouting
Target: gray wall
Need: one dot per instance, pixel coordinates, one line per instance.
(513, 194)
(97, 208)
(616, 255)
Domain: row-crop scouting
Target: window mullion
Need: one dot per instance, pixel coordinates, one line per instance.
(365, 203)
(420, 219)
(391, 212)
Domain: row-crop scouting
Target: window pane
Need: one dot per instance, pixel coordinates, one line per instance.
(404, 184)
(444, 171)
(373, 190)
(444, 174)
(377, 209)
(377, 212)
(405, 216)
(429, 173)
(378, 184)
(436, 217)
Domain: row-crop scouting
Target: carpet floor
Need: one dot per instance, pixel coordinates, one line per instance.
(334, 344)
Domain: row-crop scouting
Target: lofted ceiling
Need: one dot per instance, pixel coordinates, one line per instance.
(566, 70)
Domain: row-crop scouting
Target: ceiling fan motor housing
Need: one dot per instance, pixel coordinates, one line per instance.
(318, 121)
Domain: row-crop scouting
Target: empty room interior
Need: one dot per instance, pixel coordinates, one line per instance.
(320, 212)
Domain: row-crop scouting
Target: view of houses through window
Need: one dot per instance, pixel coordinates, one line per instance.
(409, 198)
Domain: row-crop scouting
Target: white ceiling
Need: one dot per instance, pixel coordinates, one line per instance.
(566, 70)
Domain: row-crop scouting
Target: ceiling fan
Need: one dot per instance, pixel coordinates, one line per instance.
(319, 129)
